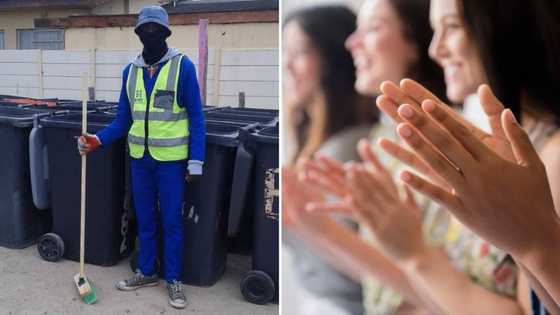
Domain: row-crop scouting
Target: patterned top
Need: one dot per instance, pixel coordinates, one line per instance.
(537, 307)
(480, 261)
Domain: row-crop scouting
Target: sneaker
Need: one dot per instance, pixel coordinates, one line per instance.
(177, 297)
(137, 281)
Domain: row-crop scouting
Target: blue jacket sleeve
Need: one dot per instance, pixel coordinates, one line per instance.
(188, 96)
(122, 122)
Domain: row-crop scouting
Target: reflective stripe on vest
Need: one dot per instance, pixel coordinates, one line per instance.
(161, 116)
(167, 124)
(171, 142)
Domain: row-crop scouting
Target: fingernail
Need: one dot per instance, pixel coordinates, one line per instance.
(405, 131)
(363, 142)
(510, 116)
(429, 106)
(406, 111)
(487, 87)
(406, 177)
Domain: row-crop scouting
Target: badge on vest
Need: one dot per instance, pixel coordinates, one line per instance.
(164, 99)
(138, 97)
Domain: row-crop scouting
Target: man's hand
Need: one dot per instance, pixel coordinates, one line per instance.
(88, 143)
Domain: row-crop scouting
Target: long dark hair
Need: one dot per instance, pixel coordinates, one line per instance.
(415, 20)
(518, 42)
(328, 27)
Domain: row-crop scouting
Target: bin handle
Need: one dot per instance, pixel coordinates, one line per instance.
(38, 167)
(242, 174)
(273, 122)
(38, 164)
(61, 112)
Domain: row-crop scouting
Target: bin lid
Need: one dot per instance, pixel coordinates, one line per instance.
(237, 117)
(251, 111)
(222, 134)
(20, 117)
(77, 105)
(207, 108)
(73, 120)
(266, 135)
(2, 96)
(25, 101)
(239, 124)
(110, 111)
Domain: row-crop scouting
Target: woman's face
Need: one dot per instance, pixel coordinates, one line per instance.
(301, 66)
(379, 48)
(454, 51)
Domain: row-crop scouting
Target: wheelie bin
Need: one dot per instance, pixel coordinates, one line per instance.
(241, 212)
(22, 223)
(109, 233)
(260, 285)
(206, 211)
(38, 150)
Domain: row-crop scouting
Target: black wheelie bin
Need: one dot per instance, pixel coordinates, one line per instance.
(260, 285)
(109, 232)
(22, 223)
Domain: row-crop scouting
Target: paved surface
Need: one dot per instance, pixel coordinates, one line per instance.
(291, 290)
(30, 285)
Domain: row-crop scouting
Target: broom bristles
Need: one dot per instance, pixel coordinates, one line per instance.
(85, 289)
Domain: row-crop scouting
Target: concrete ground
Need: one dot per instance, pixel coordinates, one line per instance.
(292, 292)
(30, 285)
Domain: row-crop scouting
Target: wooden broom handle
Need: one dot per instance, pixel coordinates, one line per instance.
(83, 178)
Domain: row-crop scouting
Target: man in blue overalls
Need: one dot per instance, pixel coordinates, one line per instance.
(160, 110)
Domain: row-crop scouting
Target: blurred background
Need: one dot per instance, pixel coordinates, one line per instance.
(292, 293)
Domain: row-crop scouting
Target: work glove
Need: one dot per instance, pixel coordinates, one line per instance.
(194, 170)
(87, 143)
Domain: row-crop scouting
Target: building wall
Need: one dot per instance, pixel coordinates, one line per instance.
(246, 35)
(57, 74)
(113, 7)
(10, 21)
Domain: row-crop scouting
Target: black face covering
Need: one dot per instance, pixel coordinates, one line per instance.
(155, 46)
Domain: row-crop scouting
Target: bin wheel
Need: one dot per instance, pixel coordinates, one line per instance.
(51, 247)
(257, 287)
(134, 263)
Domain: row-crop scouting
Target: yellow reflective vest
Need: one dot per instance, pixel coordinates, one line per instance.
(159, 116)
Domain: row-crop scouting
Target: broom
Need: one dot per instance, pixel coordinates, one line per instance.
(85, 289)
